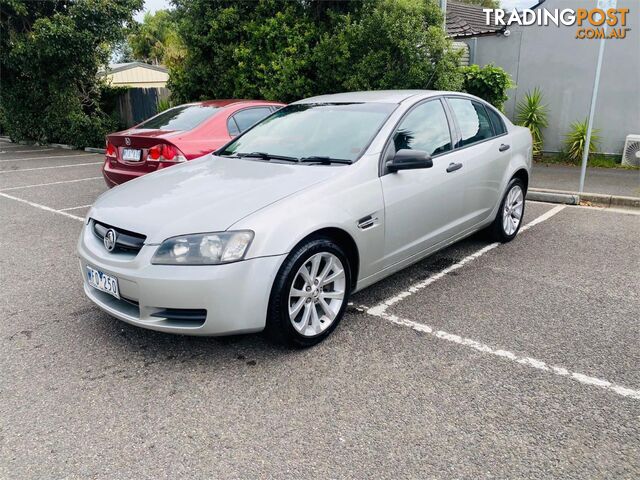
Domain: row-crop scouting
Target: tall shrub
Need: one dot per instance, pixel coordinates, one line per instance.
(489, 83)
(532, 113)
(389, 44)
(50, 53)
(289, 49)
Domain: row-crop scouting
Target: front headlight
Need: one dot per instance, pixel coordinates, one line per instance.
(204, 248)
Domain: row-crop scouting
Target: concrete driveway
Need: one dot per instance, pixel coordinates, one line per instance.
(483, 361)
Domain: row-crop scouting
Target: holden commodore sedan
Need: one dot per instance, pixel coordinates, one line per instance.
(179, 134)
(321, 199)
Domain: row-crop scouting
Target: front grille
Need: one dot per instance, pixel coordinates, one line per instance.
(126, 241)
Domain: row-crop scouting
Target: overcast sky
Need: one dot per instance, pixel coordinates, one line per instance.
(519, 4)
(153, 5)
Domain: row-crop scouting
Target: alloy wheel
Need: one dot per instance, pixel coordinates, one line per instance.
(317, 294)
(513, 208)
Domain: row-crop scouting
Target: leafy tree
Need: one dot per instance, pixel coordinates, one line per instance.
(156, 39)
(50, 54)
(482, 3)
(389, 44)
(122, 52)
(285, 50)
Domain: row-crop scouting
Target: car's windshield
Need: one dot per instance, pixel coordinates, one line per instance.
(184, 117)
(334, 130)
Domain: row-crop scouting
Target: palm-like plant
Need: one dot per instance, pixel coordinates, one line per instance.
(531, 113)
(576, 140)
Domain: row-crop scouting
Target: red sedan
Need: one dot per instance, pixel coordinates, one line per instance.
(179, 134)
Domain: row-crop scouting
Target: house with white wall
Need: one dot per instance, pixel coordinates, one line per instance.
(564, 66)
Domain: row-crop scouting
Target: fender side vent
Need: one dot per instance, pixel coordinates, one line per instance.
(367, 222)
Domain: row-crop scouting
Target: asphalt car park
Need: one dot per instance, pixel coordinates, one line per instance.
(483, 361)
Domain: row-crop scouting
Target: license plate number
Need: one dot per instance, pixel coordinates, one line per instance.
(103, 282)
(131, 155)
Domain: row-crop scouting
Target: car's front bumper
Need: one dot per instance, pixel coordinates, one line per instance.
(234, 297)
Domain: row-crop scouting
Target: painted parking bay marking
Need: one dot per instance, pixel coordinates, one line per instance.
(48, 168)
(41, 207)
(46, 157)
(49, 184)
(380, 311)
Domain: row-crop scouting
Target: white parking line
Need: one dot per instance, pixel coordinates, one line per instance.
(48, 168)
(74, 208)
(31, 150)
(528, 361)
(48, 157)
(41, 207)
(50, 183)
(382, 307)
(380, 311)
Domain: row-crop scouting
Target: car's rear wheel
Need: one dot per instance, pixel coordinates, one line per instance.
(310, 293)
(509, 218)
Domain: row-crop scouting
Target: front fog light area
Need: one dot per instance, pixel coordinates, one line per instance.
(203, 248)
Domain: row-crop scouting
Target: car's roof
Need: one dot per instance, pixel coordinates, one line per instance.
(376, 96)
(230, 101)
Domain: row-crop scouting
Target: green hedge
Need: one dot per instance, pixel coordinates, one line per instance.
(489, 83)
(50, 54)
(290, 49)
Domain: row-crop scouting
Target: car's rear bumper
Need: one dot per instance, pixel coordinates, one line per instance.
(115, 176)
(192, 300)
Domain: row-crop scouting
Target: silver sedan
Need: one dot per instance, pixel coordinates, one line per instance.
(321, 199)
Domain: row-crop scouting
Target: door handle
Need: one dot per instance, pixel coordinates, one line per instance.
(453, 167)
(504, 148)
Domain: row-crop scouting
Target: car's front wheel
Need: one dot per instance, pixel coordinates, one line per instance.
(509, 218)
(309, 294)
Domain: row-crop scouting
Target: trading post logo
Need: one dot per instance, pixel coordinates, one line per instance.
(590, 22)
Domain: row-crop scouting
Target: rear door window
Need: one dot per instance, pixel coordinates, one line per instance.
(249, 117)
(472, 119)
(496, 121)
(183, 118)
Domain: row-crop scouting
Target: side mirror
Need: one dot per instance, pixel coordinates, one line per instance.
(406, 159)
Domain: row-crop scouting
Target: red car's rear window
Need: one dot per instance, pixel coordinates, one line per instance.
(184, 117)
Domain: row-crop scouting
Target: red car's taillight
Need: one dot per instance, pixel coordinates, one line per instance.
(169, 152)
(165, 153)
(155, 153)
(110, 151)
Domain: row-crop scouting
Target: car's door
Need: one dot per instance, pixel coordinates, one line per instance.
(422, 206)
(485, 150)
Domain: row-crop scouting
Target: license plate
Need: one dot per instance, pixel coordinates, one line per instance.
(103, 282)
(131, 154)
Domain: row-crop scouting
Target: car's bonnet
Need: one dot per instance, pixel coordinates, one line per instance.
(205, 195)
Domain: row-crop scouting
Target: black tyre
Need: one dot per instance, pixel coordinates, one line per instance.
(508, 221)
(310, 293)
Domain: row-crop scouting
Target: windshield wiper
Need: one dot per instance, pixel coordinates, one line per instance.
(266, 156)
(325, 160)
